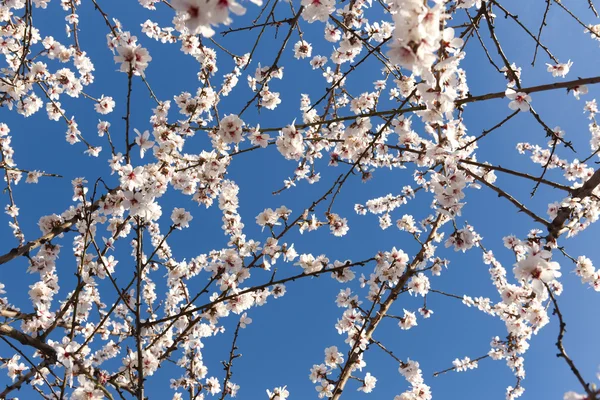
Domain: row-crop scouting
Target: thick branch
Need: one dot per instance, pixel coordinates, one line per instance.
(374, 322)
(56, 231)
(557, 225)
(23, 338)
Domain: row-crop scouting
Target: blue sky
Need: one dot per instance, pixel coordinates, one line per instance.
(289, 335)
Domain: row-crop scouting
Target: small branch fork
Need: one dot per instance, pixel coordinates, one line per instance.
(276, 61)
(379, 308)
(228, 365)
(372, 323)
(435, 374)
(465, 100)
(562, 328)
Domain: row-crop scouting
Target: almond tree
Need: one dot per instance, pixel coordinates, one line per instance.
(101, 319)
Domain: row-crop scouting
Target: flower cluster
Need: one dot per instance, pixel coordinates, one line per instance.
(123, 228)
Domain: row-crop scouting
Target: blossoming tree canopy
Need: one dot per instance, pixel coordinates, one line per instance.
(309, 199)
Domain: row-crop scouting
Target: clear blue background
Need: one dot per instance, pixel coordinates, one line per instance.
(290, 334)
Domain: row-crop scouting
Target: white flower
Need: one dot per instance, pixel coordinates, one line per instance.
(230, 129)
(368, 383)
(245, 320)
(302, 49)
(408, 321)
(419, 284)
(143, 141)
(519, 101)
(538, 268)
(279, 393)
(333, 357)
(181, 218)
(213, 386)
(560, 69)
(131, 178)
(317, 10)
(105, 105)
(325, 389)
(133, 58)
